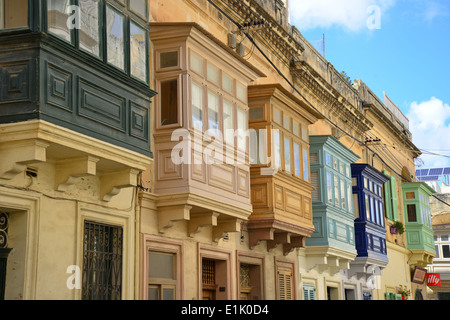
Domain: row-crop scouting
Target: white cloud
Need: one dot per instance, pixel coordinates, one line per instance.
(433, 9)
(350, 14)
(430, 127)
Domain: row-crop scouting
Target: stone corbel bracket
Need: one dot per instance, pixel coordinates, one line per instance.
(15, 157)
(168, 215)
(112, 182)
(200, 220)
(68, 171)
(224, 226)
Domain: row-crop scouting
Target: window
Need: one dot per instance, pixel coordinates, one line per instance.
(161, 276)
(90, 26)
(446, 251)
(329, 187)
(102, 262)
(196, 63)
(277, 148)
(250, 281)
(305, 165)
(285, 284)
(139, 7)
(390, 199)
(343, 202)
(227, 83)
(115, 23)
(209, 279)
(297, 159)
(410, 195)
(241, 92)
(349, 197)
(309, 292)
(412, 214)
(213, 74)
(169, 102)
(336, 191)
(242, 129)
(102, 30)
(168, 59)
(197, 106)
(138, 52)
(213, 113)
(57, 12)
(287, 155)
(228, 122)
(13, 14)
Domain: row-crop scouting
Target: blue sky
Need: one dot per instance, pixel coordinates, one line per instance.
(408, 57)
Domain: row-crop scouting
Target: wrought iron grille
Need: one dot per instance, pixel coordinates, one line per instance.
(102, 262)
(3, 230)
(209, 272)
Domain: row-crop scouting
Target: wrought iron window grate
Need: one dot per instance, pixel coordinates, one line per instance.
(102, 262)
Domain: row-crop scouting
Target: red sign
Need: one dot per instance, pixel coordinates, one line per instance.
(434, 279)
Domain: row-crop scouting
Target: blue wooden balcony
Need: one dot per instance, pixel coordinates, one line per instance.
(370, 232)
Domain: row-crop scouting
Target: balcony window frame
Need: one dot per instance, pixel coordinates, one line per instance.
(129, 17)
(29, 19)
(285, 122)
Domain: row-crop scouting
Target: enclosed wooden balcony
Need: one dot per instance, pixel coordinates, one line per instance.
(418, 227)
(332, 245)
(202, 171)
(280, 173)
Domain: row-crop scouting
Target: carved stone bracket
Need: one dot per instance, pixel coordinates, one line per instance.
(167, 216)
(68, 171)
(224, 226)
(15, 157)
(112, 182)
(200, 220)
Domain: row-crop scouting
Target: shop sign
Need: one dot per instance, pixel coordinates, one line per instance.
(434, 279)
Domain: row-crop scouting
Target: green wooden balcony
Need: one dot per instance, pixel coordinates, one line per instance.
(418, 228)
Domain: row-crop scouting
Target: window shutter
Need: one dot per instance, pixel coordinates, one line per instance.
(394, 199)
(285, 284)
(387, 198)
(316, 184)
(309, 292)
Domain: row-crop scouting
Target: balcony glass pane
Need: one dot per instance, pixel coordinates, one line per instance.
(58, 15)
(213, 74)
(412, 214)
(336, 191)
(287, 155)
(196, 63)
(13, 14)
(169, 102)
(329, 187)
(277, 148)
(446, 251)
(138, 52)
(115, 38)
(297, 159)
(242, 127)
(213, 113)
(305, 165)
(197, 106)
(89, 26)
(228, 123)
(139, 7)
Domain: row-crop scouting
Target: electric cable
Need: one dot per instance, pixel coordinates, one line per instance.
(239, 26)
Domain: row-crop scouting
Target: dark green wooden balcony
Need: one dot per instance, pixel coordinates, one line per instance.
(81, 64)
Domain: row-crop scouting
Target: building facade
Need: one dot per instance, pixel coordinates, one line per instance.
(441, 263)
(186, 149)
